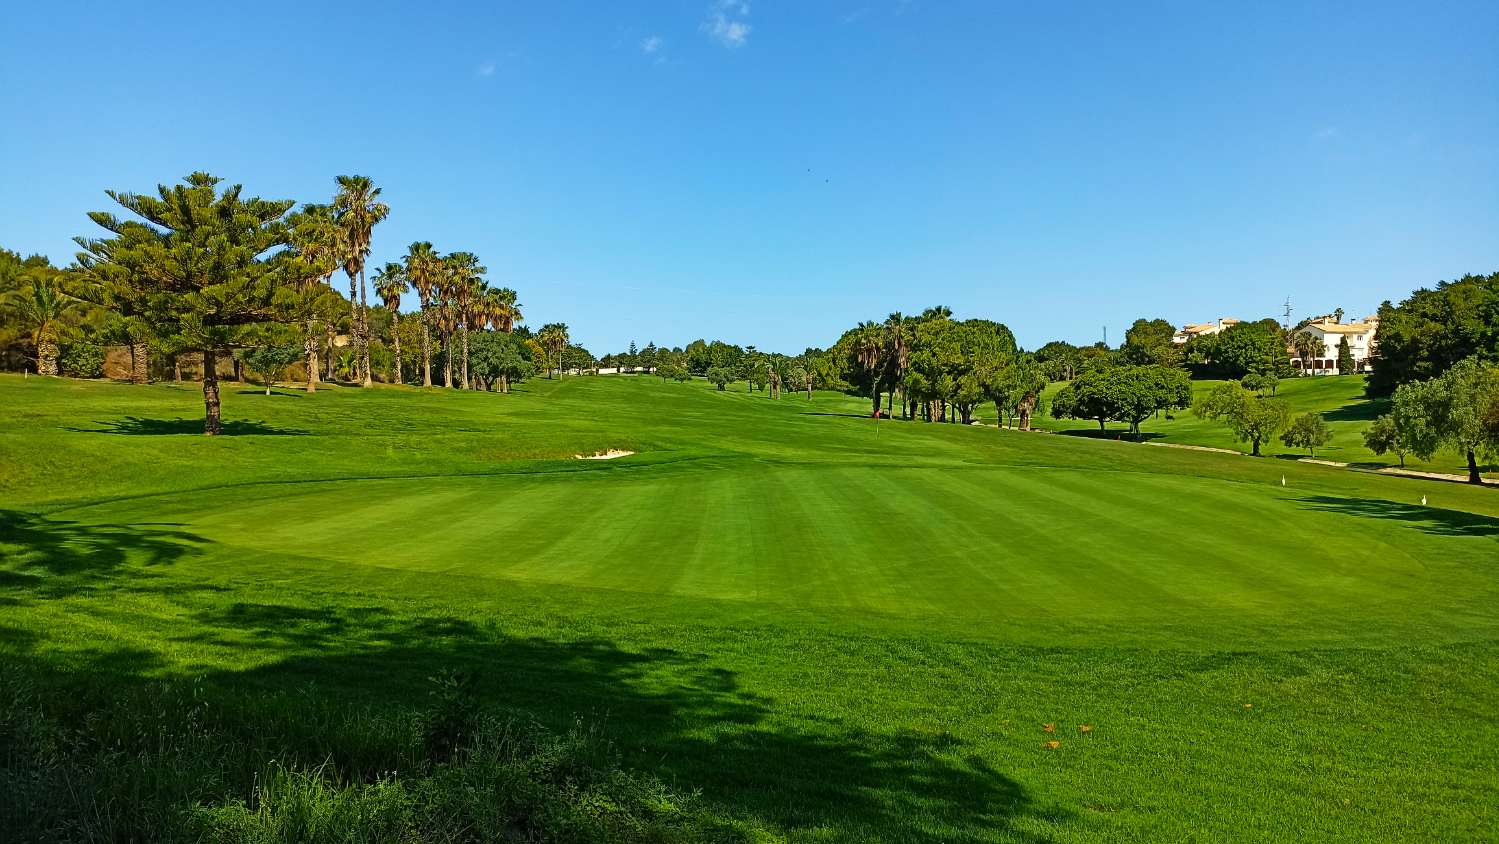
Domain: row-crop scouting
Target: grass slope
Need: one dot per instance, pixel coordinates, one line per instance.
(836, 631)
(1340, 400)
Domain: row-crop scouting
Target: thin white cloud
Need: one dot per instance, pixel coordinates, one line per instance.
(726, 24)
(484, 69)
(651, 44)
(854, 16)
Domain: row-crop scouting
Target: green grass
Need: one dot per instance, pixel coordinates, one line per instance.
(834, 631)
(1340, 400)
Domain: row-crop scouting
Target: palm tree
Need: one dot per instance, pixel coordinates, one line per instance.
(442, 310)
(41, 307)
(869, 353)
(390, 285)
(423, 269)
(553, 338)
(466, 275)
(1308, 346)
(501, 309)
(316, 239)
(898, 341)
(358, 210)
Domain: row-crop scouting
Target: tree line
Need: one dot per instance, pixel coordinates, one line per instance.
(200, 268)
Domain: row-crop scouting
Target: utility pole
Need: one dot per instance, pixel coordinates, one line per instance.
(1105, 336)
(1288, 314)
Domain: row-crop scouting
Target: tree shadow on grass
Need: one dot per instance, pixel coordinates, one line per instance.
(1431, 520)
(674, 714)
(274, 392)
(1363, 411)
(55, 557)
(135, 425)
(1123, 436)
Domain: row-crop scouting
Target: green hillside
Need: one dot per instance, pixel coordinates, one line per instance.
(836, 629)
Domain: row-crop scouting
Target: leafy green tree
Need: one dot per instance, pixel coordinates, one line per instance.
(720, 376)
(1124, 394)
(1454, 411)
(206, 264)
(1308, 431)
(1385, 436)
(1246, 347)
(1346, 364)
(500, 360)
(1059, 360)
(1433, 329)
(1250, 418)
(358, 209)
(1149, 342)
(1260, 383)
(269, 362)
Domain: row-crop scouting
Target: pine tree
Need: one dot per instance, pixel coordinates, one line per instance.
(200, 269)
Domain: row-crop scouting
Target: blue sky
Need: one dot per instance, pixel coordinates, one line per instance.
(772, 172)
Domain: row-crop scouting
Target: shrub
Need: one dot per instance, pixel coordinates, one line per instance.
(82, 359)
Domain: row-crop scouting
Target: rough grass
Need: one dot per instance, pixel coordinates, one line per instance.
(834, 631)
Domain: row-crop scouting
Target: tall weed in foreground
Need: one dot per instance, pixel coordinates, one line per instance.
(174, 762)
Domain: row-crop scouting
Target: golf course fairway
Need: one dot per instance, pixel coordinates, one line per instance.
(832, 628)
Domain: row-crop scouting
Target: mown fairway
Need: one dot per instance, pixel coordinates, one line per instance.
(835, 631)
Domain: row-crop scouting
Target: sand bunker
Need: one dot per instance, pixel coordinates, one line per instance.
(604, 455)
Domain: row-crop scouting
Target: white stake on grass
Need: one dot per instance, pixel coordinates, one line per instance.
(1282, 480)
(1423, 501)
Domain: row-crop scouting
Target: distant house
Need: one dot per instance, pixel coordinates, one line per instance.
(1327, 329)
(1201, 329)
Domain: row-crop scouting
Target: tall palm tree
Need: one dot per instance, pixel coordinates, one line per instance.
(442, 314)
(869, 351)
(390, 285)
(358, 210)
(501, 309)
(466, 275)
(553, 338)
(424, 270)
(317, 240)
(41, 308)
(898, 342)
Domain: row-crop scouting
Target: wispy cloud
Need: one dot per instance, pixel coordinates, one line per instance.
(854, 16)
(726, 24)
(651, 44)
(484, 69)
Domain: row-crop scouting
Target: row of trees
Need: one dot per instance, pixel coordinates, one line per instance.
(203, 268)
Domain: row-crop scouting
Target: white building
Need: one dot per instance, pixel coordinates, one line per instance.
(1201, 329)
(1327, 329)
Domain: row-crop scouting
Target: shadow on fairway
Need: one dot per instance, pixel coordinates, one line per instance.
(52, 557)
(670, 713)
(274, 392)
(1122, 436)
(1429, 519)
(1364, 411)
(135, 425)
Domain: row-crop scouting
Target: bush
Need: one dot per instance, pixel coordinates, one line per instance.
(82, 359)
(177, 761)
